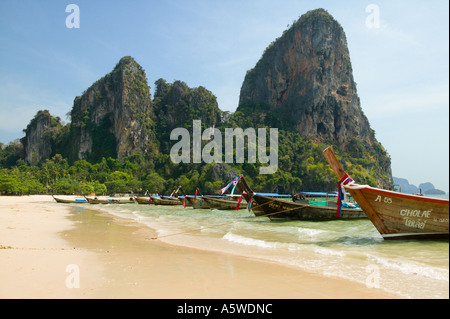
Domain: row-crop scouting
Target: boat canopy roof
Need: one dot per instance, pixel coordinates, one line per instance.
(320, 194)
(274, 195)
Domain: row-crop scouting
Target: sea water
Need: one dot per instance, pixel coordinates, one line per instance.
(348, 249)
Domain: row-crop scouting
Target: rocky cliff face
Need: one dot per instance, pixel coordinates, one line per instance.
(177, 105)
(304, 82)
(114, 116)
(39, 137)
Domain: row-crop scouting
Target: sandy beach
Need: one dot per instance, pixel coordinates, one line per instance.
(51, 250)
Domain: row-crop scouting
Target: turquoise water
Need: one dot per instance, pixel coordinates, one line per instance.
(342, 249)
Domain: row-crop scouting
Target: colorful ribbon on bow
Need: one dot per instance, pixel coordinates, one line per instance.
(233, 182)
(249, 206)
(240, 200)
(195, 196)
(346, 180)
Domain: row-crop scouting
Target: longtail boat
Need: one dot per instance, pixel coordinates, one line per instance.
(225, 202)
(281, 209)
(221, 203)
(168, 202)
(178, 199)
(197, 202)
(111, 200)
(71, 200)
(155, 200)
(143, 200)
(396, 215)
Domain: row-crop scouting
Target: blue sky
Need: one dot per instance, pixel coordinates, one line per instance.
(401, 66)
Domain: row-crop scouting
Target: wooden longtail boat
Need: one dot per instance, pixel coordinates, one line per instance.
(280, 209)
(73, 200)
(143, 200)
(197, 203)
(222, 203)
(396, 215)
(155, 200)
(111, 200)
(168, 202)
(178, 199)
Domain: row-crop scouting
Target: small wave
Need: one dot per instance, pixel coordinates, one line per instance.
(329, 252)
(249, 241)
(410, 268)
(258, 242)
(137, 216)
(310, 232)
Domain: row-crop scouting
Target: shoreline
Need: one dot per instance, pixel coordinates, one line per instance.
(115, 258)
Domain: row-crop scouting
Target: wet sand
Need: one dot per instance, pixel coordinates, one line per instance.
(51, 250)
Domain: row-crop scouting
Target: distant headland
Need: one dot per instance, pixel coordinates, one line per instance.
(427, 188)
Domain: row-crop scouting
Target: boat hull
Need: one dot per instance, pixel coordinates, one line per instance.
(70, 201)
(166, 202)
(221, 204)
(395, 215)
(110, 200)
(143, 200)
(197, 203)
(403, 216)
(279, 209)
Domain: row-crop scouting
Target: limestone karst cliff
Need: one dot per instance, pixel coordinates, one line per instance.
(114, 116)
(304, 82)
(177, 105)
(40, 137)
